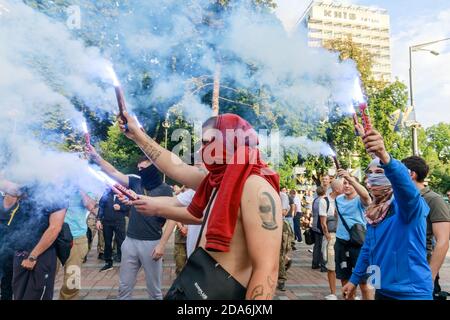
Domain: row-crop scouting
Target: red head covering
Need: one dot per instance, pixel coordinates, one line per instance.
(228, 173)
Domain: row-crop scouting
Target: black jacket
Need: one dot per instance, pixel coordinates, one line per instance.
(106, 212)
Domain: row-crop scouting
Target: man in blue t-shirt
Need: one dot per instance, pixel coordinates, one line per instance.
(142, 246)
(79, 205)
(350, 207)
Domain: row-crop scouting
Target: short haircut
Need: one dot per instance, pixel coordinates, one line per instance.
(337, 183)
(142, 159)
(418, 165)
(320, 191)
(292, 191)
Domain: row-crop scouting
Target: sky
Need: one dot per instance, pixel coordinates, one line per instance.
(412, 22)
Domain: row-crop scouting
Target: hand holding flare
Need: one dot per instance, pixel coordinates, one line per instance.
(115, 186)
(87, 136)
(119, 94)
(336, 162)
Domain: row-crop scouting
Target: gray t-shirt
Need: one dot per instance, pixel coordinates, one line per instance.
(142, 227)
(439, 212)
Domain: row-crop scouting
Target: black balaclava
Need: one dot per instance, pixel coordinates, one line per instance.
(151, 178)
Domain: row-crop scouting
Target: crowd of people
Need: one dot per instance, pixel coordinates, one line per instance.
(408, 253)
(229, 210)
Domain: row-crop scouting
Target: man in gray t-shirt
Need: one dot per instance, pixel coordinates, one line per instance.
(438, 221)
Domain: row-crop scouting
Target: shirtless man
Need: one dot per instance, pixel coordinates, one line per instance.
(259, 218)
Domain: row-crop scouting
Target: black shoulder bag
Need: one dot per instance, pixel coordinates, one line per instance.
(357, 232)
(202, 278)
(64, 243)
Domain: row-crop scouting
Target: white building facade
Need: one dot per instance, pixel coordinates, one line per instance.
(368, 27)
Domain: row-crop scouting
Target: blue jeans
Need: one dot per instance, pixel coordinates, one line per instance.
(291, 222)
(297, 227)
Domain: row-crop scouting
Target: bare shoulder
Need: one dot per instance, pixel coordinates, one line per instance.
(255, 186)
(260, 197)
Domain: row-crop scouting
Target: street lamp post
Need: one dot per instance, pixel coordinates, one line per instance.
(166, 126)
(415, 125)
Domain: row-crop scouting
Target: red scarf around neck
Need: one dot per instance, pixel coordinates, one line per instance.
(229, 178)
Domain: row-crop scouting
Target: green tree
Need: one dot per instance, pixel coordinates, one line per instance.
(434, 145)
(438, 139)
(384, 98)
(121, 152)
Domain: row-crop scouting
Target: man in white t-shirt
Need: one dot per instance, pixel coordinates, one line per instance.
(296, 219)
(329, 225)
(185, 199)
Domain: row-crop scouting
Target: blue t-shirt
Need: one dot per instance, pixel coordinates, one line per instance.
(76, 216)
(352, 211)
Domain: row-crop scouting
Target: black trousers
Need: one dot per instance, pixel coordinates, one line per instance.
(297, 227)
(117, 230)
(6, 276)
(37, 284)
(317, 251)
(380, 296)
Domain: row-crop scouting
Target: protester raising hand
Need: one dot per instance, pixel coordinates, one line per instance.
(92, 154)
(374, 143)
(344, 174)
(131, 128)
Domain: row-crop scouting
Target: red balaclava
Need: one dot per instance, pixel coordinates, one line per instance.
(228, 173)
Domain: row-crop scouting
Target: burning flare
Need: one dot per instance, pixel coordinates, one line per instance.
(362, 104)
(87, 136)
(119, 93)
(115, 186)
(113, 76)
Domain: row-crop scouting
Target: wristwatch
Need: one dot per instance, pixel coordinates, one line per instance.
(32, 258)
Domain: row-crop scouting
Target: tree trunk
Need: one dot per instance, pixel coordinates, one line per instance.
(216, 91)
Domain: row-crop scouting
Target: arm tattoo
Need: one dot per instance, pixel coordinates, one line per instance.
(151, 151)
(271, 283)
(258, 291)
(267, 211)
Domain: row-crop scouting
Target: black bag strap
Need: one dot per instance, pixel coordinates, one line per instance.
(342, 218)
(205, 217)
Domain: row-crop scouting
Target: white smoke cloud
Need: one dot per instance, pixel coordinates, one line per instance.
(45, 65)
(43, 68)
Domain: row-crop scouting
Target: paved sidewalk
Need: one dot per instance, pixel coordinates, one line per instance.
(303, 282)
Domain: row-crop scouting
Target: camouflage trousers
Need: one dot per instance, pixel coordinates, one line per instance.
(180, 255)
(91, 222)
(286, 240)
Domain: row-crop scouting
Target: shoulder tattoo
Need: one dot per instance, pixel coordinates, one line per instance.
(267, 213)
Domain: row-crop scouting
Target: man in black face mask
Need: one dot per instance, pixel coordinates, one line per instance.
(142, 246)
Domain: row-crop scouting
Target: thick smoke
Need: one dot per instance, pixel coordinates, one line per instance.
(276, 145)
(43, 69)
(176, 45)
